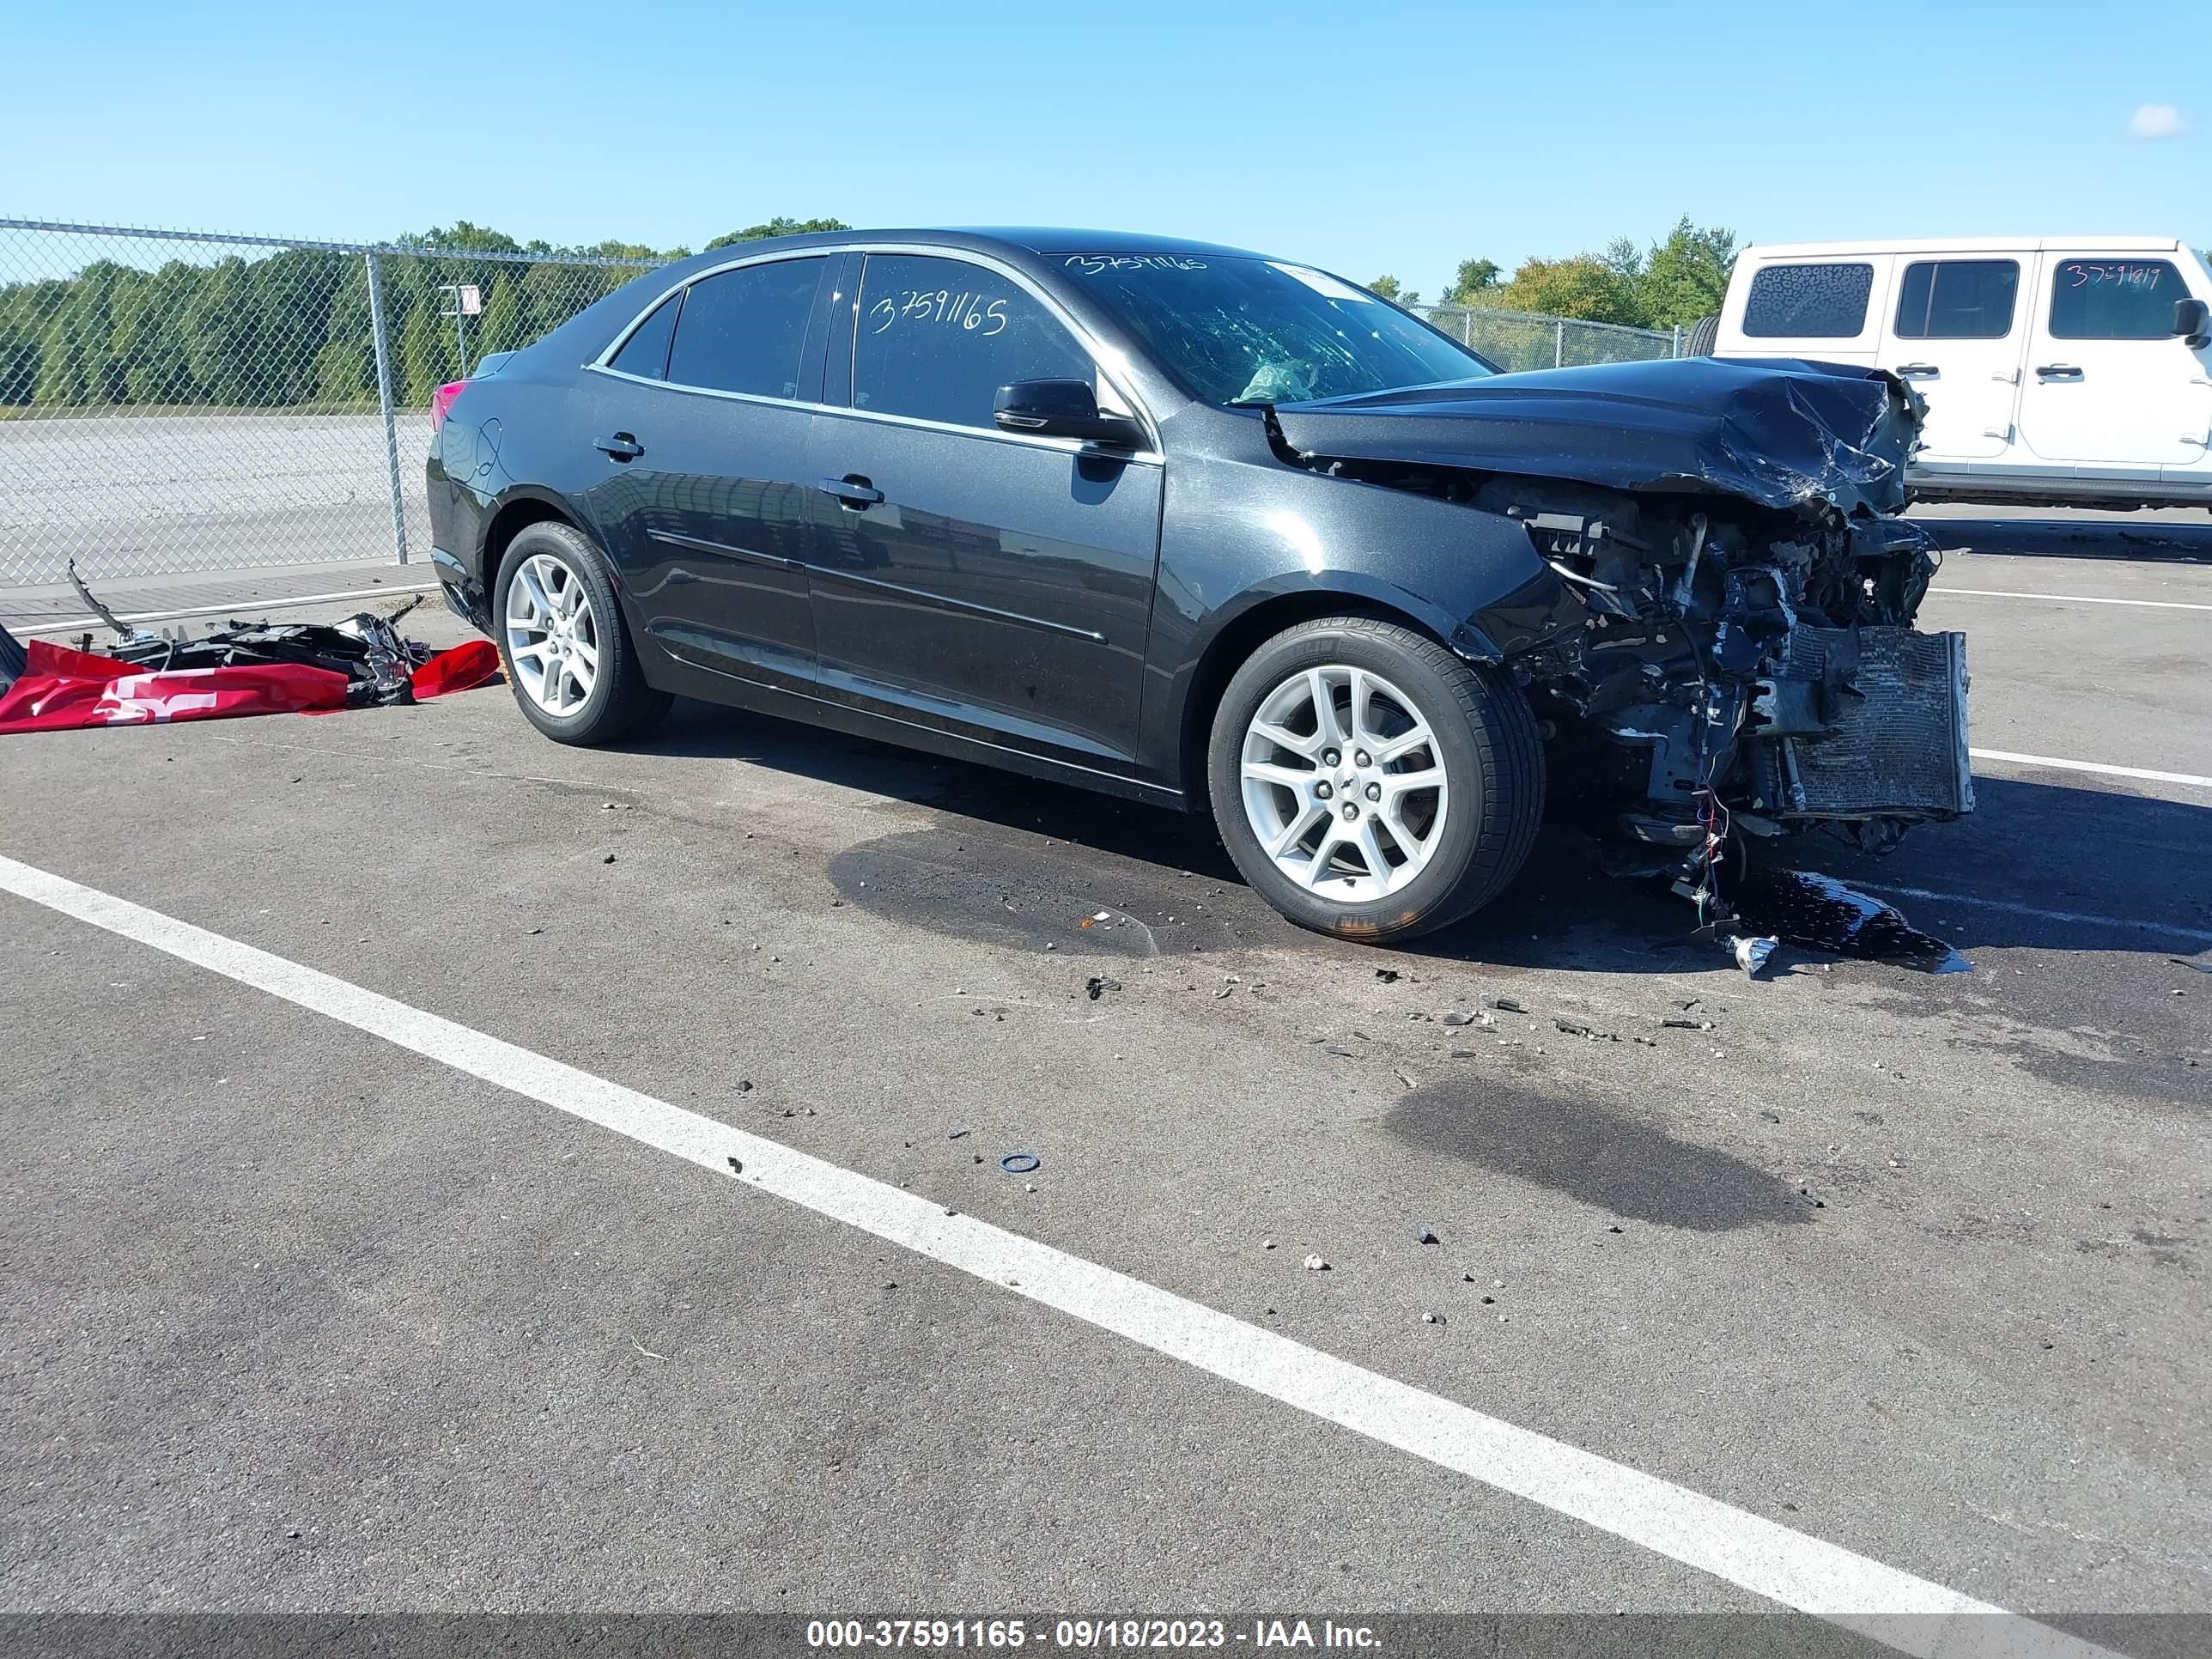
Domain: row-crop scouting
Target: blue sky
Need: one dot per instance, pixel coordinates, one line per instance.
(1367, 137)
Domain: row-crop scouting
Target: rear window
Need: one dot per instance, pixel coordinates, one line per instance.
(1809, 302)
(645, 354)
(745, 329)
(1957, 300)
(2114, 299)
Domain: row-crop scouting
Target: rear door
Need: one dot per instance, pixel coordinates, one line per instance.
(1954, 335)
(703, 415)
(2107, 385)
(990, 582)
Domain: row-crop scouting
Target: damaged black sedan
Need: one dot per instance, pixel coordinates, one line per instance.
(1219, 531)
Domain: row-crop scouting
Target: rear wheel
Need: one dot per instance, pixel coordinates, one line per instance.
(1371, 784)
(562, 639)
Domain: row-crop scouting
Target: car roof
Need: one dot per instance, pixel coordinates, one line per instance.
(1969, 245)
(1043, 239)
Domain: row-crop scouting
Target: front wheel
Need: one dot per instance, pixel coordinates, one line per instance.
(1371, 784)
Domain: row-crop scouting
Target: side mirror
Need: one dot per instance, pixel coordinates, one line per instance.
(2192, 319)
(1062, 409)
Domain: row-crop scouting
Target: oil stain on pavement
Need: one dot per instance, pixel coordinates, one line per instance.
(972, 881)
(1637, 1172)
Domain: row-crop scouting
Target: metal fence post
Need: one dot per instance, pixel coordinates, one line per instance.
(1678, 339)
(1466, 330)
(1559, 345)
(384, 403)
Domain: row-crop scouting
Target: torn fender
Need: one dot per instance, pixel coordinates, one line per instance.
(1784, 433)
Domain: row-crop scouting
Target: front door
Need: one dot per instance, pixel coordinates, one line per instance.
(1954, 335)
(703, 421)
(2107, 382)
(979, 580)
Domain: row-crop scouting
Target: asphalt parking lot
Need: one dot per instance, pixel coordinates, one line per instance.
(315, 1307)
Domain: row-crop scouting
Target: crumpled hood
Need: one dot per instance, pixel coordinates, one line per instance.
(1783, 433)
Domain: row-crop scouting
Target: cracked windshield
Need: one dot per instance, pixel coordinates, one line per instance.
(1243, 330)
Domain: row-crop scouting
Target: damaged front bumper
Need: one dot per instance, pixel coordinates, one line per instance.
(1748, 663)
(1751, 674)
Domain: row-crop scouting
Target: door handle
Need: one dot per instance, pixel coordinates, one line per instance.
(623, 446)
(2057, 372)
(1919, 372)
(852, 491)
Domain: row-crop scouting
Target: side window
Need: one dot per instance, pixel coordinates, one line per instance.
(745, 329)
(1957, 300)
(936, 339)
(2114, 299)
(1816, 302)
(645, 354)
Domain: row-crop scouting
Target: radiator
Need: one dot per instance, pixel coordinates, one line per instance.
(1897, 742)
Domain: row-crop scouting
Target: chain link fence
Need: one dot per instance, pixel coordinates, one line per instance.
(1522, 339)
(174, 402)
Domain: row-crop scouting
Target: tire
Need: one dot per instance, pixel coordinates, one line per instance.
(1446, 850)
(1703, 334)
(551, 569)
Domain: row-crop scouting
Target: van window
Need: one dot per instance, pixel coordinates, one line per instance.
(2114, 299)
(1957, 300)
(1816, 302)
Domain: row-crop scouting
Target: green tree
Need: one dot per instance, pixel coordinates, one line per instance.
(500, 328)
(1474, 283)
(463, 234)
(147, 339)
(77, 366)
(1387, 287)
(19, 309)
(1585, 286)
(1685, 276)
(220, 335)
(426, 357)
(289, 299)
(776, 228)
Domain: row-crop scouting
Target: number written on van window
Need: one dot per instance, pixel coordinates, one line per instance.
(2114, 299)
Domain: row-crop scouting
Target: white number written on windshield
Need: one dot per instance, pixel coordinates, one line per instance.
(1097, 265)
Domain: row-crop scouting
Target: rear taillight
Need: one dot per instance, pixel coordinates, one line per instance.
(442, 399)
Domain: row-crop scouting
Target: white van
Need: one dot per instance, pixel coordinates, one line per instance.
(2063, 371)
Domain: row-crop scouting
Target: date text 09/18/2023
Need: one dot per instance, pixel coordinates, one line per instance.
(1087, 1634)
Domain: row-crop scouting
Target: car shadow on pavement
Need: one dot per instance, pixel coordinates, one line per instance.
(1018, 861)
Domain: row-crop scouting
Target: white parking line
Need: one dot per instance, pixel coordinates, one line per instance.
(2190, 779)
(2070, 599)
(1910, 1614)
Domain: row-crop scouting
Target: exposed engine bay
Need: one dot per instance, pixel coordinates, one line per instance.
(1748, 665)
(1744, 671)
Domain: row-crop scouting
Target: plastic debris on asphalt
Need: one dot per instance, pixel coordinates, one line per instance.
(243, 668)
(1751, 954)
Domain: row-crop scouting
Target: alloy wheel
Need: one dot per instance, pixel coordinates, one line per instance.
(1342, 783)
(552, 635)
